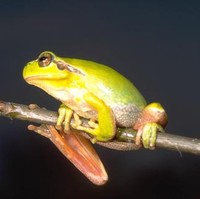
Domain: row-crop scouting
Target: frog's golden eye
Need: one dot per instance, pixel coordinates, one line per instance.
(45, 59)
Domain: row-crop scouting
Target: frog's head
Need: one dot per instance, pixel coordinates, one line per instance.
(49, 71)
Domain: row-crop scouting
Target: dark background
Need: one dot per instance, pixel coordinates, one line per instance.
(155, 44)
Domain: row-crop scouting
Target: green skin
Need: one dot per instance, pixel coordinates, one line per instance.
(89, 90)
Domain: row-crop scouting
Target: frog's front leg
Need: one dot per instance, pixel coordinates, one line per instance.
(152, 120)
(105, 129)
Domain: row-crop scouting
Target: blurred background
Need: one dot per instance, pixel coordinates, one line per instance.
(156, 44)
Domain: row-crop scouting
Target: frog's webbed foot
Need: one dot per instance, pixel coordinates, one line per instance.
(148, 134)
(92, 128)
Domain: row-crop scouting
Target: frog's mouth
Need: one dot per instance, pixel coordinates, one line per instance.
(32, 79)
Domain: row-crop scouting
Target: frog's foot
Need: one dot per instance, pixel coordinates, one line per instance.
(92, 128)
(152, 120)
(64, 117)
(148, 135)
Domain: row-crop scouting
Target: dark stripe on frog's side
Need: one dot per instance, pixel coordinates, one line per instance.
(63, 65)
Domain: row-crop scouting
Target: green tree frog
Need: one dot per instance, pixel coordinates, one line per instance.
(97, 92)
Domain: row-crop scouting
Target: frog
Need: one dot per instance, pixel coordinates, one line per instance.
(98, 93)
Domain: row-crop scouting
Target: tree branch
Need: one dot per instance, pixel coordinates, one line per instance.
(124, 140)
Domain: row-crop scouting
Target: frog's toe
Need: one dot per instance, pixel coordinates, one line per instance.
(77, 122)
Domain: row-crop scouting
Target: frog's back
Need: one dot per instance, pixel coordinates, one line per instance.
(113, 88)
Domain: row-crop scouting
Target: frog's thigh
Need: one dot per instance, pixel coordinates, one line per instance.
(106, 121)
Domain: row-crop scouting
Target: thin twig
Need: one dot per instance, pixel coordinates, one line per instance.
(124, 140)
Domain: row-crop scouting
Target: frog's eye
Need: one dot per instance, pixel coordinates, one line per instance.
(45, 59)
